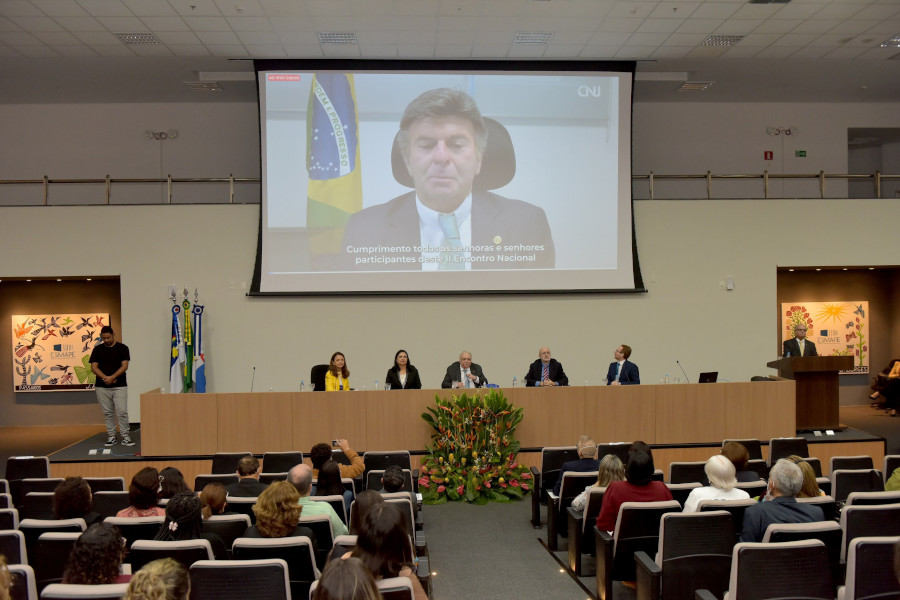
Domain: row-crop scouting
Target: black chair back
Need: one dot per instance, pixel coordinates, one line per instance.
(620, 450)
(826, 503)
(22, 580)
(754, 488)
(872, 498)
(695, 553)
(38, 484)
(753, 446)
(281, 462)
(186, 552)
(317, 377)
(24, 467)
(217, 579)
(12, 546)
(269, 478)
(785, 570)
(227, 527)
(134, 529)
(759, 466)
(52, 554)
(321, 527)
(108, 504)
(204, 479)
(868, 521)
(37, 505)
(784, 447)
(373, 480)
(851, 462)
(295, 551)
(856, 480)
(106, 484)
(9, 518)
(226, 462)
(243, 506)
(33, 528)
(734, 507)
(637, 529)
(827, 532)
(688, 472)
(681, 491)
(379, 461)
(6, 500)
(870, 569)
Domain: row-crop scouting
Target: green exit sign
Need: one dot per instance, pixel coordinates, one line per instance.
(800, 153)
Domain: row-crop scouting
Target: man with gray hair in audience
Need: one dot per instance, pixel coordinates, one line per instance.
(780, 504)
(587, 460)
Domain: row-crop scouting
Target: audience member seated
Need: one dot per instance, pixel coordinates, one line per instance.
(587, 450)
(96, 557)
(893, 482)
(780, 504)
(213, 500)
(184, 522)
(347, 579)
(720, 473)
(364, 501)
(163, 579)
(610, 469)
(739, 457)
(881, 381)
(638, 486)
(72, 500)
(322, 452)
(277, 510)
(143, 494)
(384, 546)
(248, 486)
(172, 482)
(5, 579)
(329, 483)
(810, 487)
(300, 476)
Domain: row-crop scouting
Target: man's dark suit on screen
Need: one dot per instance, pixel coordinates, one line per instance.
(630, 375)
(554, 372)
(453, 374)
(396, 223)
(793, 346)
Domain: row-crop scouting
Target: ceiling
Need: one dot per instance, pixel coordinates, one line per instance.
(798, 51)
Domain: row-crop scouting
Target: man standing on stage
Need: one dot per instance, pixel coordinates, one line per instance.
(109, 361)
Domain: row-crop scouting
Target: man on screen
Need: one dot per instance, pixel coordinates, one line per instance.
(447, 223)
(799, 345)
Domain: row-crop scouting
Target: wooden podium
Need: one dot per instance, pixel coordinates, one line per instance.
(816, 387)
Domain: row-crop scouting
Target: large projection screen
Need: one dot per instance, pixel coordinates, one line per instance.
(507, 177)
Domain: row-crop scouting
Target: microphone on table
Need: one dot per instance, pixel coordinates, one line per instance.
(686, 380)
(252, 379)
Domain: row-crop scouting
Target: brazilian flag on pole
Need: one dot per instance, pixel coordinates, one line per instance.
(188, 347)
(332, 160)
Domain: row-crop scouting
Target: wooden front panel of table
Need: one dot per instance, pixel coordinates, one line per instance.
(191, 424)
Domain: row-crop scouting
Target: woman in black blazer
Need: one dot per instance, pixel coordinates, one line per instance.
(403, 376)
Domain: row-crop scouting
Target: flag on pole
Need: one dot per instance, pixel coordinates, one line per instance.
(176, 378)
(188, 348)
(334, 191)
(199, 361)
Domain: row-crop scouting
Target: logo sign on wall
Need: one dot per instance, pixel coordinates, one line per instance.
(836, 328)
(52, 352)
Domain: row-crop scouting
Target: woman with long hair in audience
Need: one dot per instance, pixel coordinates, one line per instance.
(347, 579)
(720, 473)
(403, 376)
(810, 487)
(72, 500)
(338, 376)
(213, 500)
(384, 546)
(96, 557)
(172, 483)
(162, 579)
(143, 494)
(329, 483)
(365, 500)
(184, 522)
(638, 486)
(277, 510)
(610, 469)
(739, 456)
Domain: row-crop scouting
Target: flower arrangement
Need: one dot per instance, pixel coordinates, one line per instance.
(473, 452)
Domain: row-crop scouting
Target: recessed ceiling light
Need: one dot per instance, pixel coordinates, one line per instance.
(27, 280)
(891, 42)
(88, 278)
(138, 39)
(871, 268)
(791, 270)
(532, 37)
(338, 37)
(58, 279)
(845, 268)
(818, 269)
(722, 40)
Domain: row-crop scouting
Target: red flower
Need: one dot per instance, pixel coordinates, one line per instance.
(526, 475)
(865, 348)
(857, 319)
(513, 465)
(487, 484)
(857, 351)
(525, 486)
(787, 314)
(423, 481)
(503, 485)
(514, 483)
(460, 489)
(441, 489)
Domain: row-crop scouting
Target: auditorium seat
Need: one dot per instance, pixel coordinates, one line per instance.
(321, 527)
(784, 447)
(12, 546)
(373, 480)
(37, 505)
(844, 481)
(851, 462)
(381, 460)
(23, 584)
(870, 498)
(870, 570)
(9, 518)
(204, 479)
(217, 579)
(226, 462)
(681, 491)
(827, 532)
(337, 503)
(391, 588)
(6, 500)
(49, 561)
(545, 476)
(759, 466)
(34, 484)
(106, 484)
(268, 478)
(243, 505)
(33, 528)
(136, 528)
(67, 591)
(4, 486)
(754, 488)
(342, 545)
(637, 528)
(688, 472)
(735, 507)
(891, 464)
(694, 552)
(784, 570)
(826, 503)
(753, 446)
(573, 483)
(108, 504)
(227, 527)
(867, 521)
(281, 462)
(187, 552)
(22, 467)
(296, 551)
(580, 526)
(406, 505)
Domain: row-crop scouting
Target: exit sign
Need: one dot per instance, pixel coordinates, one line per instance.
(800, 153)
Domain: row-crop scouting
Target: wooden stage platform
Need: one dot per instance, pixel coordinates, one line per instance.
(684, 422)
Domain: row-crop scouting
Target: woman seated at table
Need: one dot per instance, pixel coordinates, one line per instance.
(338, 376)
(403, 376)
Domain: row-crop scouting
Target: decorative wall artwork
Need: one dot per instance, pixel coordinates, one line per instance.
(51, 352)
(836, 328)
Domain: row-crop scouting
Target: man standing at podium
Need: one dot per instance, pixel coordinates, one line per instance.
(799, 345)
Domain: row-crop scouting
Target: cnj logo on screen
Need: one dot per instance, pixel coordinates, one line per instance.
(63, 351)
(592, 91)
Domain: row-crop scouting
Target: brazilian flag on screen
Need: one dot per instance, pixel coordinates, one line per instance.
(332, 159)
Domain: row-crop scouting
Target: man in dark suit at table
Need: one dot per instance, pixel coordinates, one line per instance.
(799, 345)
(545, 371)
(464, 373)
(249, 485)
(623, 371)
